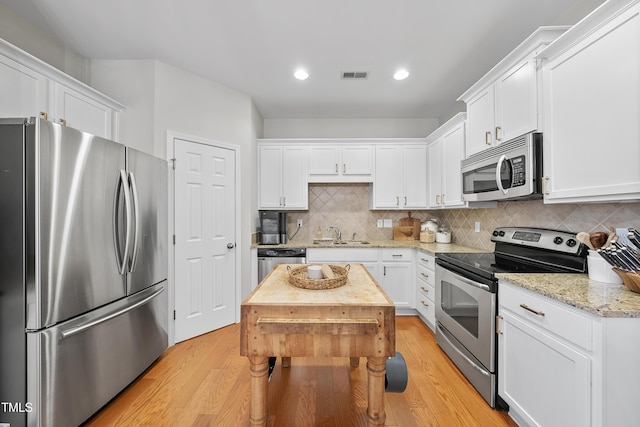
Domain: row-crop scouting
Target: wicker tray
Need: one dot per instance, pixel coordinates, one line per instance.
(298, 278)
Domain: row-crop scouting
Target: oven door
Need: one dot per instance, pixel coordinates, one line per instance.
(466, 308)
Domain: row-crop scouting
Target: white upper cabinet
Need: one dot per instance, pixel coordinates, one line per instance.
(24, 91)
(400, 176)
(591, 81)
(350, 162)
(504, 103)
(446, 150)
(31, 87)
(282, 177)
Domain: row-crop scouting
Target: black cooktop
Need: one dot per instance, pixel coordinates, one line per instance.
(487, 264)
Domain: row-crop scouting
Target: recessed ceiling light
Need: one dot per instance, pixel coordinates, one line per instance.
(401, 74)
(301, 74)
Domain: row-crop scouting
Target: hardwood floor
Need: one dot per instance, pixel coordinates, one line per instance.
(205, 382)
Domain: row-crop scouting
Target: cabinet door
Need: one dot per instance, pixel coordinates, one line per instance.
(323, 161)
(357, 160)
(81, 112)
(591, 108)
(435, 174)
(516, 101)
(396, 282)
(388, 182)
(270, 177)
(24, 91)
(480, 121)
(544, 381)
(295, 193)
(414, 174)
(452, 155)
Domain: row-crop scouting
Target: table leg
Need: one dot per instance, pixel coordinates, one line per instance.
(259, 368)
(376, 369)
(354, 362)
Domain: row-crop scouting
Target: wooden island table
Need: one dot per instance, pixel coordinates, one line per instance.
(355, 320)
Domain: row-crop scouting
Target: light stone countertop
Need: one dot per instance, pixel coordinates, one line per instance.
(600, 299)
(432, 248)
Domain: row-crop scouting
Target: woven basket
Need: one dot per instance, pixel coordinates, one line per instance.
(298, 278)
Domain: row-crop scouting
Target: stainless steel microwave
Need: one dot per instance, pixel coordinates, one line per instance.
(511, 170)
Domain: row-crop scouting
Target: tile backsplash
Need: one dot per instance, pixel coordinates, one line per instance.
(346, 206)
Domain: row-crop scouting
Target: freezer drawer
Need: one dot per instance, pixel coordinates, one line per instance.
(86, 361)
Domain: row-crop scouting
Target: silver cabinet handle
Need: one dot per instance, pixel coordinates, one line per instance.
(487, 138)
(344, 168)
(405, 200)
(426, 276)
(424, 303)
(498, 129)
(397, 200)
(424, 289)
(437, 199)
(425, 260)
(536, 312)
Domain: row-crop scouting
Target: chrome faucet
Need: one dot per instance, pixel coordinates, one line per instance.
(338, 233)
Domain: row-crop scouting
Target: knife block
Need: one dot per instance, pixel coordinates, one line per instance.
(630, 280)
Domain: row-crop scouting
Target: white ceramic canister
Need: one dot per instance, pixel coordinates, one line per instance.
(314, 272)
(600, 270)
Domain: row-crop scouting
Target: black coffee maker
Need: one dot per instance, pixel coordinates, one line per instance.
(273, 225)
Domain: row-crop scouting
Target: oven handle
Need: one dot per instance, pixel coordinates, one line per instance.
(443, 334)
(474, 284)
(498, 180)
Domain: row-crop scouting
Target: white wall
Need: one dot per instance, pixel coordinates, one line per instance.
(161, 98)
(31, 39)
(349, 128)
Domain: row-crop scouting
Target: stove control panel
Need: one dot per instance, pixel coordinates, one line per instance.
(541, 238)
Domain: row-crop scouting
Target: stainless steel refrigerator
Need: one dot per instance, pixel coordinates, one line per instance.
(83, 269)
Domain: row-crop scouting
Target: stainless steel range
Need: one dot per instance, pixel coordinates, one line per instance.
(466, 295)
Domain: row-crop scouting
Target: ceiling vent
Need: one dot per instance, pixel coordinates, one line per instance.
(354, 75)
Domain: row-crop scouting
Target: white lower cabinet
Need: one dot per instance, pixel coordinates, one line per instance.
(397, 276)
(562, 366)
(425, 288)
(391, 268)
(545, 378)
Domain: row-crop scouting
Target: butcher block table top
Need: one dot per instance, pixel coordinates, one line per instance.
(354, 320)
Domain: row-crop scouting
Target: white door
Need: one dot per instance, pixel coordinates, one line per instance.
(205, 216)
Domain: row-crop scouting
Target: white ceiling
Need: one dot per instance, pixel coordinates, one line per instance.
(254, 46)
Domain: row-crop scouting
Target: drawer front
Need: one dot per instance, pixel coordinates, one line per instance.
(403, 254)
(342, 255)
(426, 275)
(426, 308)
(428, 291)
(426, 260)
(553, 316)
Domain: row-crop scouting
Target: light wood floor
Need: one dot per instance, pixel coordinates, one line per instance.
(205, 382)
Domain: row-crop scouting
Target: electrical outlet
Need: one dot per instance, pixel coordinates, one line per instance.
(477, 227)
(380, 223)
(387, 223)
(299, 223)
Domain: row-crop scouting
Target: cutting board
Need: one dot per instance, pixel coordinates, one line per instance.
(404, 232)
(409, 221)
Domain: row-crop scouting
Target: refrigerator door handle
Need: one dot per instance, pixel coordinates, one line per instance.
(122, 186)
(81, 328)
(136, 223)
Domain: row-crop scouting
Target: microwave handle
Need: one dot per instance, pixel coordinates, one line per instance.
(503, 158)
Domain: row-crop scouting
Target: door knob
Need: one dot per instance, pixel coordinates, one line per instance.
(231, 245)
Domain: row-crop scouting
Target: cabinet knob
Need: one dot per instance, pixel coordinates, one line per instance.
(63, 122)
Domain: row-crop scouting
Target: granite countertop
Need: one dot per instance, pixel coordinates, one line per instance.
(601, 299)
(432, 248)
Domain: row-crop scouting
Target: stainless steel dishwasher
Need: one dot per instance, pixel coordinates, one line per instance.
(268, 258)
